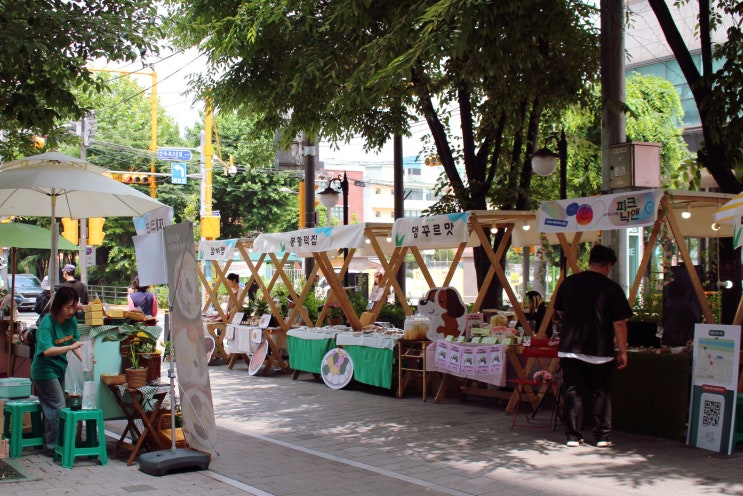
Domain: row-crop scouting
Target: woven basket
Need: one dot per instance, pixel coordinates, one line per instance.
(113, 380)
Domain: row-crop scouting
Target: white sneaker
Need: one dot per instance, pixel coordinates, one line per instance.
(572, 443)
(604, 444)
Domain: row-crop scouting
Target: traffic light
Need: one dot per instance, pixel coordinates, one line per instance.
(95, 231)
(134, 178)
(70, 230)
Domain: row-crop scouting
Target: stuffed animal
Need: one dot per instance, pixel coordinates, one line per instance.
(446, 311)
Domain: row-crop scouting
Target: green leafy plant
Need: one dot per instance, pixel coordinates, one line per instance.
(140, 339)
(648, 307)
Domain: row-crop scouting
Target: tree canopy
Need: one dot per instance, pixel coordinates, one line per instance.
(717, 93)
(47, 45)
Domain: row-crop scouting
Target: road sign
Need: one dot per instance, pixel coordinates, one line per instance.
(174, 154)
(178, 173)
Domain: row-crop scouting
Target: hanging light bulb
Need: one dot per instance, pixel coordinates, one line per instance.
(686, 214)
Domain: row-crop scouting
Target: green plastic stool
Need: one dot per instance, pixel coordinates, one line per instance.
(94, 444)
(13, 425)
(738, 434)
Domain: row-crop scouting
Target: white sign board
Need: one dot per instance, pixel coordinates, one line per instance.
(714, 386)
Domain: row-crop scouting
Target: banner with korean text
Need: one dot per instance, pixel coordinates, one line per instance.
(311, 240)
(435, 231)
(220, 249)
(605, 212)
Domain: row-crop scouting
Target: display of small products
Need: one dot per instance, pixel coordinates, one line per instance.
(93, 313)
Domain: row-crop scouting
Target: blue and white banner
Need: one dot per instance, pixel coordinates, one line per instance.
(154, 220)
(605, 212)
(438, 230)
(311, 240)
(220, 249)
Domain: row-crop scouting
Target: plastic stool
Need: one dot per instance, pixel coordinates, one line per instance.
(13, 425)
(738, 434)
(68, 448)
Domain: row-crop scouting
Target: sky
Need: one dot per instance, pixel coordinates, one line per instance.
(173, 70)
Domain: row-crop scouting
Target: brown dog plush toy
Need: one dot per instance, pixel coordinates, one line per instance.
(446, 311)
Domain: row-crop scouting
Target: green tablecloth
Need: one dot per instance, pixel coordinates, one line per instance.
(306, 354)
(651, 396)
(372, 366)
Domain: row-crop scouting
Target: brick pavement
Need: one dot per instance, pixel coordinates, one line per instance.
(277, 436)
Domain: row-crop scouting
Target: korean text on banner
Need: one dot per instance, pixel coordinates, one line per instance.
(222, 249)
(154, 220)
(605, 212)
(437, 230)
(311, 240)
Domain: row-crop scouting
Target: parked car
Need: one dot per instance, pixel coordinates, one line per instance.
(27, 288)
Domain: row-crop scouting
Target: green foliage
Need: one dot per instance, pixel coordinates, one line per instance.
(252, 200)
(47, 46)
(656, 116)
(648, 307)
(394, 314)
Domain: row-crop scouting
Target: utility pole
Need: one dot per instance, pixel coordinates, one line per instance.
(399, 179)
(613, 123)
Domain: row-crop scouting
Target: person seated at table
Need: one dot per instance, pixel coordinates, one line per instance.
(141, 298)
(536, 311)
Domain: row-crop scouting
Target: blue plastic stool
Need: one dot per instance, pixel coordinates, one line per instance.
(13, 425)
(94, 444)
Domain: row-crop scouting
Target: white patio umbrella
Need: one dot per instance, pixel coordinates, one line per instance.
(56, 185)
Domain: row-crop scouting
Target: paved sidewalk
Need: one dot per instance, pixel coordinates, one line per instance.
(277, 436)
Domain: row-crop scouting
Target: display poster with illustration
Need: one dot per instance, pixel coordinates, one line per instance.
(714, 387)
(605, 212)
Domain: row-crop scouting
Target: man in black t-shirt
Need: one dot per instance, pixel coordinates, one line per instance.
(594, 312)
(68, 272)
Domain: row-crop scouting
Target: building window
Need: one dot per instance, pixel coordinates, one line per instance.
(414, 194)
(378, 191)
(378, 214)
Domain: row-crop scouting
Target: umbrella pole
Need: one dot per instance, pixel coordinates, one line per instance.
(53, 265)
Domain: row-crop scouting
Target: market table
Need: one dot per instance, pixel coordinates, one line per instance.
(243, 340)
(216, 329)
(307, 347)
(475, 362)
(143, 405)
(372, 355)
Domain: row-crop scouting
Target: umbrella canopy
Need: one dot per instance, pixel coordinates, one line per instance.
(727, 212)
(74, 188)
(56, 185)
(17, 235)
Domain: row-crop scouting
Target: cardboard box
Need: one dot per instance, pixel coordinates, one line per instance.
(94, 315)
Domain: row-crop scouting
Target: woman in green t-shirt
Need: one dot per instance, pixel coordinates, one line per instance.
(56, 335)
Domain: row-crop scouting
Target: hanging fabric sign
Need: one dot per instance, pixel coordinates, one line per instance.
(220, 249)
(617, 211)
(437, 230)
(311, 240)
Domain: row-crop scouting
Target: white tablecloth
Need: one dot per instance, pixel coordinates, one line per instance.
(238, 338)
(373, 340)
(494, 372)
(313, 332)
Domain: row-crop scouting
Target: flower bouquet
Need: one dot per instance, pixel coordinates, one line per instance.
(544, 376)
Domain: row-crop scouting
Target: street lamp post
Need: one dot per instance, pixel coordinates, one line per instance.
(544, 161)
(329, 198)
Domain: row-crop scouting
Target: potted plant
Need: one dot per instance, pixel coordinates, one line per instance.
(335, 314)
(140, 362)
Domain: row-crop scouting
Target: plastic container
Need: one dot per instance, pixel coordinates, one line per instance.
(15, 387)
(416, 327)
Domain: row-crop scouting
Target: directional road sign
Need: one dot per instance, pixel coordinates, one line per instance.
(178, 173)
(177, 155)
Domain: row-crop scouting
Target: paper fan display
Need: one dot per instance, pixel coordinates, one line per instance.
(337, 368)
(256, 361)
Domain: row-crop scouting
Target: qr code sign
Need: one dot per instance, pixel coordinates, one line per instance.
(711, 414)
